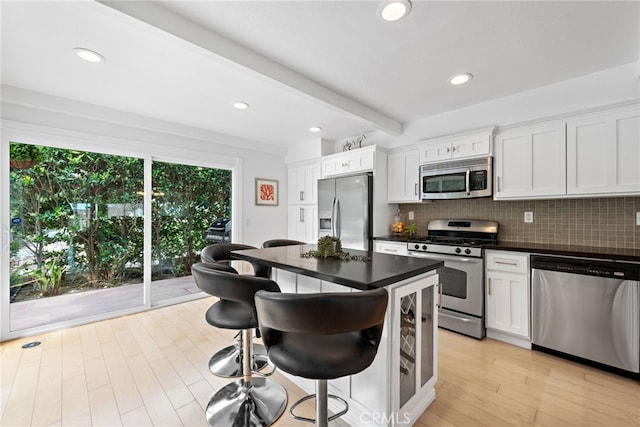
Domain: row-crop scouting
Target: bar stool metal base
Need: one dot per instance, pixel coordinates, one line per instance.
(321, 397)
(227, 363)
(258, 403)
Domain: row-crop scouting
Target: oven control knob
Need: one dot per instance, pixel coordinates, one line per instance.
(467, 251)
(416, 246)
(458, 250)
(424, 247)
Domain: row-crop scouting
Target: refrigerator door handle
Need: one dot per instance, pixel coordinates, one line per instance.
(338, 225)
(333, 218)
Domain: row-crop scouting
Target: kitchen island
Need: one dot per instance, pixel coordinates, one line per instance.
(399, 385)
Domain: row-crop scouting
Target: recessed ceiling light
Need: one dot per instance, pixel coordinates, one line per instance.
(315, 129)
(88, 55)
(393, 10)
(240, 105)
(460, 79)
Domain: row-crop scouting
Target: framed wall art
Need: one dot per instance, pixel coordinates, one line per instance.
(266, 192)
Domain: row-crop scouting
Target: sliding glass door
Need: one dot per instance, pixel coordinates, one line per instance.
(186, 200)
(78, 246)
(76, 234)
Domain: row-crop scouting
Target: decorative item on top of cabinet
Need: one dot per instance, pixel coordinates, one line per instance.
(477, 143)
(507, 297)
(403, 176)
(352, 144)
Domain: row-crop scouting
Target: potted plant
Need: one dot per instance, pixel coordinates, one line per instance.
(23, 156)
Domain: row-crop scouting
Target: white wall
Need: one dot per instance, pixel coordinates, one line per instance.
(594, 90)
(41, 119)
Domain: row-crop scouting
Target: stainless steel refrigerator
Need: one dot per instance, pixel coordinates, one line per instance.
(344, 210)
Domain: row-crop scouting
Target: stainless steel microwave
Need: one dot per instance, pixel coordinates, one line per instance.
(463, 179)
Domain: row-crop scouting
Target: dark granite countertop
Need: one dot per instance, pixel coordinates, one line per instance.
(382, 270)
(620, 254)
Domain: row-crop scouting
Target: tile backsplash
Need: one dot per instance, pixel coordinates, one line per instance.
(601, 222)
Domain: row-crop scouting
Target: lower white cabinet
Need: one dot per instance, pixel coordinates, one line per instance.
(507, 293)
(391, 248)
(302, 223)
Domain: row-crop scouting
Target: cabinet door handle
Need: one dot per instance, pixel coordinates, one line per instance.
(301, 214)
(514, 264)
(439, 295)
(453, 148)
(448, 150)
(415, 189)
(395, 251)
(302, 195)
(489, 286)
(498, 179)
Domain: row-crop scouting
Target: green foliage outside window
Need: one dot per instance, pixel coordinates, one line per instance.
(77, 217)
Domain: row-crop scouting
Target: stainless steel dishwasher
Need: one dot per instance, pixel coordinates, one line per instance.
(587, 310)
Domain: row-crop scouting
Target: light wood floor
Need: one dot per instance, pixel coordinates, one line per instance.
(151, 369)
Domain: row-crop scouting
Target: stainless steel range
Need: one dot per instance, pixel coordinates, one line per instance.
(459, 242)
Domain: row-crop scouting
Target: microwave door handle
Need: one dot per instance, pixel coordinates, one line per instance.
(467, 182)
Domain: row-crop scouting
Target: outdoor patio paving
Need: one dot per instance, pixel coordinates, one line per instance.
(28, 314)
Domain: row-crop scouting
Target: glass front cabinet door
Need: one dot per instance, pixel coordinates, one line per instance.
(414, 346)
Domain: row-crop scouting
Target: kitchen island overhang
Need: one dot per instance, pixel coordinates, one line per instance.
(399, 385)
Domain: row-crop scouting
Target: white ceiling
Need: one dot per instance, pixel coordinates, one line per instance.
(334, 64)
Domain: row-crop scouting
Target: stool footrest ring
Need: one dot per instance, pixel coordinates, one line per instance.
(313, 396)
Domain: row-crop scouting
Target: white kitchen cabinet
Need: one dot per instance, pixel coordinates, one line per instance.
(302, 223)
(403, 179)
(458, 146)
(507, 294)
(303, 183)
(390, 247)
(530, 161)
(349, 162)
(603, 152)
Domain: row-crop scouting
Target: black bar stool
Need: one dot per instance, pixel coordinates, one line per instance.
(227, 363)
(321, 337)
(247, 401)
(281, 242)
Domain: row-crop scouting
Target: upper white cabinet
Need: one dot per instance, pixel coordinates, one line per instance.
(530, 161)
(302, 197)
(403, 176)
(303, 183)
(348, 162)
(594, 154)
(603, 152)
(459, 146)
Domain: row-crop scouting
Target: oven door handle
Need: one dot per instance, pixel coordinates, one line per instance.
(444, 257)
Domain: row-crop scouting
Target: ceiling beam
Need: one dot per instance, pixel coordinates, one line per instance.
(159, 17)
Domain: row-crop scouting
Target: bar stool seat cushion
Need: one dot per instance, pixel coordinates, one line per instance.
(230, 315)
(323, 356)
